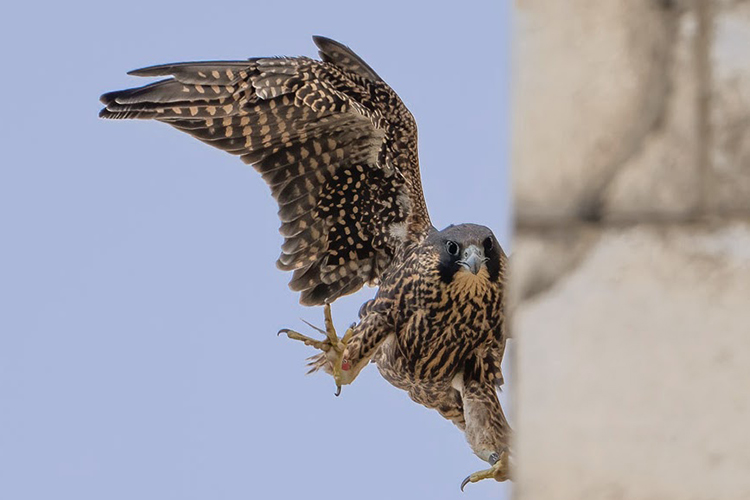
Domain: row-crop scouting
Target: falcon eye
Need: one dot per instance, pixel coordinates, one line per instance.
(488, 244)
(452, 248)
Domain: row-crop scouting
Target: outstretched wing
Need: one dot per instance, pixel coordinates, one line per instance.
(333, 141)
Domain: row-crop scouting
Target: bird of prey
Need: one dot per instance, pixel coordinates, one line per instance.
(338, 148)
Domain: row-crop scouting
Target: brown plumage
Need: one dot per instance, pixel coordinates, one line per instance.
(338, 149)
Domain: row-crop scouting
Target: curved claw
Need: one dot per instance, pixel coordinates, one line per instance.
(332, 346)
(498, 471)
(465, 482)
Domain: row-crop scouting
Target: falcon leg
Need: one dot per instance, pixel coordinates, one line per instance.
(344, 357)
(333, 348)
(487, 430)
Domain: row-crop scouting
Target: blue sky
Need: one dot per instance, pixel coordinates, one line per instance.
(138, 348)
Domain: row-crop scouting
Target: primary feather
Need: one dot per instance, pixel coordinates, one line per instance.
(335, 144)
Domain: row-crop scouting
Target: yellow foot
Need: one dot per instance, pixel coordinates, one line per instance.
(333, 349)
(500, 470)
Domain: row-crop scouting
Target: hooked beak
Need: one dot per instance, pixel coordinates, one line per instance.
(473, 259)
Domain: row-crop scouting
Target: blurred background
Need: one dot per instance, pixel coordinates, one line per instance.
(140, 302)
(631, 263)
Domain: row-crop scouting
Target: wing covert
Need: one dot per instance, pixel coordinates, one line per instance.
(334, 143)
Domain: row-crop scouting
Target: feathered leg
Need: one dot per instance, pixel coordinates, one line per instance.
(487, 430)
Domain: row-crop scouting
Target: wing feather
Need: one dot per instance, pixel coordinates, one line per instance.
(334, 143)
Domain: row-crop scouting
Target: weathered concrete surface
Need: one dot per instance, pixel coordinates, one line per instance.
(571, 131)
(634, 371)
(631, 263)
(540, 259)
(662, 176)
(730, 113)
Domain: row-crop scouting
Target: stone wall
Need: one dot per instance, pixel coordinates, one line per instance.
(631, 263)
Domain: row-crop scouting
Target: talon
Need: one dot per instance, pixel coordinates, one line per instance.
(465, 482)
(498, 471)
(331, 345)
(324, 345)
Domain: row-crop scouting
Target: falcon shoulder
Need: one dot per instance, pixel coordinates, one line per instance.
(333, 141)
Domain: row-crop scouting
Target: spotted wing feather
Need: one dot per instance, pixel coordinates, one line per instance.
(335, 144)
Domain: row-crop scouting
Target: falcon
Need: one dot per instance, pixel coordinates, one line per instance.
(338, 148)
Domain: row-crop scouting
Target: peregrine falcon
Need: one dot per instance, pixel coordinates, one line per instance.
(338, 149)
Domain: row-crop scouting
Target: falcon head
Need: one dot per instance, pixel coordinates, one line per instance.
(467, 254)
